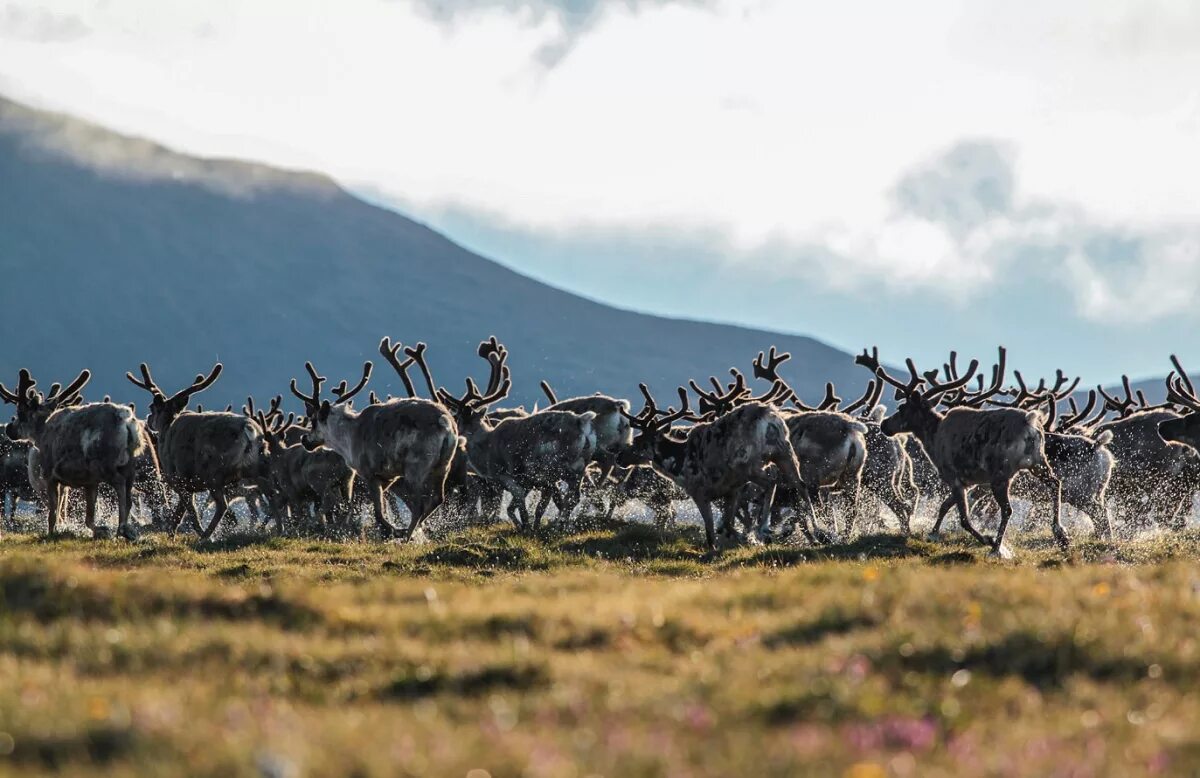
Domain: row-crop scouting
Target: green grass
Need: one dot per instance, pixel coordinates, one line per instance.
(617, 652)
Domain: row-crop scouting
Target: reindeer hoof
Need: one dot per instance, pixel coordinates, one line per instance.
(129, 532)
(101, 533)
(1001, 552)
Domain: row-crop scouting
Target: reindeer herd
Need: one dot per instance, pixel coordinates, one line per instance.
(769, 463)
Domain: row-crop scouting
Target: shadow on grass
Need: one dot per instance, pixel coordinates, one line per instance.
(419, 683)
(830, 623)
(96, 746)
(48, 594)
(862, 548)
(636, 543)
(1046, 663)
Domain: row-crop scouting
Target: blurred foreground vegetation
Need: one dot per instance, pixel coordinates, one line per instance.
(619, 652)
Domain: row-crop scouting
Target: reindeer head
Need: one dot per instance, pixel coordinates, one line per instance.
(1185, 429)
(653, 427)
(163, 409)
(917, 411)
(472, 407)
(33, 409)
(319, 411)
(270, 424)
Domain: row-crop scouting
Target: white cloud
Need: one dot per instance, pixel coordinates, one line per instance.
(773, 123)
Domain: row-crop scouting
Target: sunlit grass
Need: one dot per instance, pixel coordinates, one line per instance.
(619, 652)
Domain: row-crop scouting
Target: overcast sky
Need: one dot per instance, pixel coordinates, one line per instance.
(922, 175)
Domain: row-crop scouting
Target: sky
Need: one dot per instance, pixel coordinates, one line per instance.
(921, 176)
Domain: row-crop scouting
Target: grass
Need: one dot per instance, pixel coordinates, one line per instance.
(617, 652)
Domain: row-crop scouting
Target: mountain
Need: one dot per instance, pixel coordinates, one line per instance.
(114, 251)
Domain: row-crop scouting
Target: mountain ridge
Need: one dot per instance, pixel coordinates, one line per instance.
(116, 250)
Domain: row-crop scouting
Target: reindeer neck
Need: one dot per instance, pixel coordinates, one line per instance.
(669, 455)
(926, 426)
(339, 430)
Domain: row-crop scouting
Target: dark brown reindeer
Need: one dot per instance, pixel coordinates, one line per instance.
(80, 446)
(887, 474)
(14, 479)
(715, 459)
(201, 451)
(467, 494)
(970, 446)
(402, 445)
(522, 453)
(831, 446)
(1181, 392)
(1150, 474)
(299, 479)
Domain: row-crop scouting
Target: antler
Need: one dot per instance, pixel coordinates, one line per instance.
(546, 390)
(869, 399)
(389, 353)
(417, 354)
(1179, 387)
(871, 362)
(650, 420)
(25, 383)
(314, 400)
(200, 383)
(831, 400)
(1068, 422)
(344, 396)
(766, 366)
(974, 399)
(724, 399)
(1122, 407)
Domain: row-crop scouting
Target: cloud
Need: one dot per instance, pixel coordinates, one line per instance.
(942, 151)
(39, 24)
(572, 18)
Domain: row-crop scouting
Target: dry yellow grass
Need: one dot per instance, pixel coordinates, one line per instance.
(615, 653)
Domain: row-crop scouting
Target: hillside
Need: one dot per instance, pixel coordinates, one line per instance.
(114, 250)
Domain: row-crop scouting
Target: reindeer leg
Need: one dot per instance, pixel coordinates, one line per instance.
(222, 505)
(519, 496)
(89, 509)
(705, 508)
(1044, 474)
(1097, 511)
(763, 530)
(960, 498)
(1000, 493)
(176, 517)
(125, 528)
(53, 505)
(547, 493)
(946, 505)
(386, 530)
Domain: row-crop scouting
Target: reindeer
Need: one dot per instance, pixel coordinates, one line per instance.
(79, 446)
(1082, 464)
(201, 451)
(719, 455)
(465, 491)
(971, 446)
(613, 433)
(14, 479)
(887, 474)
(1181, 392)
(831, 446)
(645, 484)
(521, 453)
(1149, 472)
(298, 478)
(404, 445)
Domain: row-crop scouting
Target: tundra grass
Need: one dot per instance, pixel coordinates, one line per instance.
(617, 652)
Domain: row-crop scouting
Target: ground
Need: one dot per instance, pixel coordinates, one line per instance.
(618, 652)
